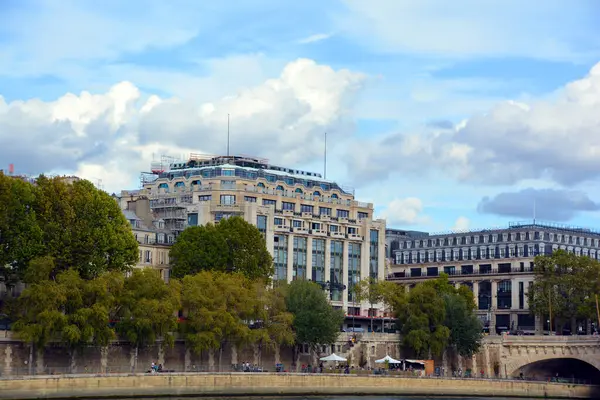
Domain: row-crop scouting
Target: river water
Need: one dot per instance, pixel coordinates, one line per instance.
(340, 398)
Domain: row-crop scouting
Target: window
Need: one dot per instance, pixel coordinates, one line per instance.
(278, 221)
(287, 206)
(352, 230)
(333, 228)
(260, 185)
(227, 172)
(324, 211)
(299, 262)
(305, 208)
(318, 260)
(269, 202)
(374, 253)
(261, 223)
(335, 270)
(289, 181)
(280, 257)
(280, 188)
(250, 199)
(363, 215)
(147, 256)
(227, 199)
(192, 219)
(353, 268)
(297, 223)
(343, 213)
(204, 198)
(316, 226)
(270, 178)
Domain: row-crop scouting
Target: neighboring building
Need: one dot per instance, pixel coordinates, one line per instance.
(497, 264)
(313, 227)
(153, 239)
(393, 238)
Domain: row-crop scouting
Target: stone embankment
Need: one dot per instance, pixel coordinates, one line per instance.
(264, 384)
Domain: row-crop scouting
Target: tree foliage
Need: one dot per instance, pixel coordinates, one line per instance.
(368, 290)
(435, 315)
(148, 308)
(79, 226)
(565, 284)
(233, 245)
(316, 322)
(68, 310)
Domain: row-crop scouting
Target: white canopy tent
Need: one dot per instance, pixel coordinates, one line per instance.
(415, 362)
(332, 357)
(389, 360)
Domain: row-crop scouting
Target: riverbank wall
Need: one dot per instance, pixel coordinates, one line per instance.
(267, 384)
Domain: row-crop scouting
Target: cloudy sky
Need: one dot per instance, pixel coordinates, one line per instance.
(446, 115)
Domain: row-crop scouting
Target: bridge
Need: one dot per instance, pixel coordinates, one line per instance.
(570, 357)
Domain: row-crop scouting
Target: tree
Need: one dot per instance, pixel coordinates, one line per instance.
(148, 309)
(368, 289)
(564, 287)
(275, 327)
(316, 322)
(465, 328)
(422, 317)
(435, 315)
(68, 310)
(233, 245)
(83, 228)
(217, 308)
(20, 234)
(391, 295)
(198, 248)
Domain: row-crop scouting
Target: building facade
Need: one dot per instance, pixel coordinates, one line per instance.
(154, 240)
(496, 264)
(314, 228)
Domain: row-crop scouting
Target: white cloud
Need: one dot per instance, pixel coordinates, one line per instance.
(112, 136)
(314, 38)
(473, 28)
(407, 211)
(461, 224)
(554, 138)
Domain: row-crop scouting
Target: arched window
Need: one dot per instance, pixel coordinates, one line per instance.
(316, 193)
(298, 190)
(196, 182)
(334, 196)
(279, 187)
(163, 186)
(260, 184)
(180, 184)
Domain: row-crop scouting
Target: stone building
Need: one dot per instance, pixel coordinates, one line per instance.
(314, 228)
(497, 264)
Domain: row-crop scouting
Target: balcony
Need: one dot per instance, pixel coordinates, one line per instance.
(282, 228)
(338, 235)
(401, 276)
(353, 236)
(301, 230)
(318, 232)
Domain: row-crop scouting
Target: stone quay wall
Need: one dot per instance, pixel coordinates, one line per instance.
(264, 384)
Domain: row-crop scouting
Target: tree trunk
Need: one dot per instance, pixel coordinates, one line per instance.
(187, 360)
(39, 361)
(234, 354)
(104, 359)
(277, 354)
(30, 362)
(221, 358)
(372, 316)
(134, 359)
(211, 360)
(73, 361)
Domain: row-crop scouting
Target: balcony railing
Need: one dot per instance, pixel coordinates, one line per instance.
(397, 276)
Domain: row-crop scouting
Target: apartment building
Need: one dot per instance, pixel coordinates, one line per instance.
(313, 227)
(154, 240)
(496, 264)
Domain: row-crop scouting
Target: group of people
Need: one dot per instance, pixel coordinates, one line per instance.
(154, 368)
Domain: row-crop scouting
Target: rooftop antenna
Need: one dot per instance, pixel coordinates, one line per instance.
(325, 158)
(534, 211)
(227, 135)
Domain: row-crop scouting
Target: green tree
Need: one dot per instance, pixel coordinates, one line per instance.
(422, 317)
(564, 287)
(368, 289)
(217, 308)
(20, 234)
(83, 228)
(465, 328)
(148, 309)
(392, 296)
(275, 321)
(233, 245)
(316, 322)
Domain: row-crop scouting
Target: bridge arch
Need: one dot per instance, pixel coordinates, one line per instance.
(547, 366)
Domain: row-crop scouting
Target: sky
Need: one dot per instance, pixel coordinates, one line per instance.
(445, 115)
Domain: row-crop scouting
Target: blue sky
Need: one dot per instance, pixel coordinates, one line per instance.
(445, 115)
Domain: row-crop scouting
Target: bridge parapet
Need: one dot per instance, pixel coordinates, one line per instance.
(552, 341)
